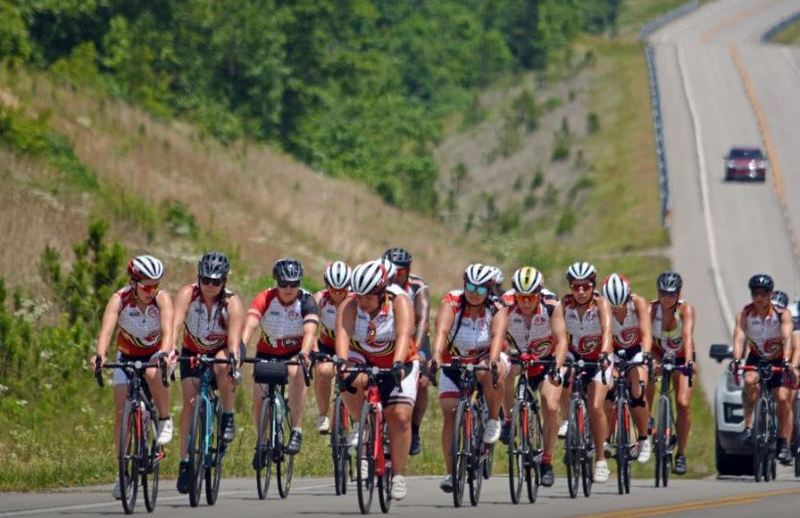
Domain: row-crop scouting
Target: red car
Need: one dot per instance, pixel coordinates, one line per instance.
(745, 163)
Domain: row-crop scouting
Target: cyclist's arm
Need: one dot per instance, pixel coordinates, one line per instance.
(310, 312)
(167, 312)
(422, 310)
(796, 349)
(645, 326)
(688, 330)
(235, 322)
(109, 322)
(404, 326)
(444, 322)
(559, 328)
(182, 302)
(499, 329)
(738, 337)
(786, 332)
(604, 310)
(345, 323)
(254, 314)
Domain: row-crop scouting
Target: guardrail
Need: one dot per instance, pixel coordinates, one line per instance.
(655, 104)
(778, 27)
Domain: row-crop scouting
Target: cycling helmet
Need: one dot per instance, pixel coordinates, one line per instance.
(498, 276)
(669, 282)
(616, 289)
(480, 274)
(370, 277)
(399, 256)
(780, 300)
(582, 271)
(391, 269)
(213, 265)
(761, 281)
(287, 270)
(527, 280)
(548, 295)
(337, 275)
(145, 267)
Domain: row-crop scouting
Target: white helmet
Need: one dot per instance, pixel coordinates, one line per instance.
(616, 289)
(391, 269)
(368, 278)
(337, 275)
(145, 267)
(498, 275)
(581, 271)
(527, 280)
(480, 274)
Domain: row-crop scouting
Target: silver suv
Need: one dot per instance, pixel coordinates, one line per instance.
(732, 456)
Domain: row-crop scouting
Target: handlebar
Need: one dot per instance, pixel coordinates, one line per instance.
(469, 367)
(374, 371)
(582, 364)
(788, 374)
(127, 365)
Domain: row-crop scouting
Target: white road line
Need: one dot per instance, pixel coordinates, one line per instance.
(722, 295)
(788, 56)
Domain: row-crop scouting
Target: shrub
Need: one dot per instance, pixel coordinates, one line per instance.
(566, 222)
(592, 123)
(538, 179)
(179, 221)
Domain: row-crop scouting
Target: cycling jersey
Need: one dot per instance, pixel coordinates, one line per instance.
(139, 333)
(763, 335)
(627, 334)
(469, 338)
(204, 331)
(327, 320)
(585, 333)
(373, 340)
(282, 324)
(667, 340)
(536, 337)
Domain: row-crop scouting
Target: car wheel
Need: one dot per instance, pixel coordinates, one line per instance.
(729, 464)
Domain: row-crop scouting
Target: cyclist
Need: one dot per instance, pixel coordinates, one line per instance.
(767, 332)
(630, 324)
(337, 288)
(536, 326)
(672, 326)
(498, 290)
(780, 300)
(287, 316)
(375, 327)
(471, 326)
(418, 291)
(141, 313)
(588, 321)
(211, 317)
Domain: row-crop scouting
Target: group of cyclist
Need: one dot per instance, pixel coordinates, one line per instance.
(377, 314)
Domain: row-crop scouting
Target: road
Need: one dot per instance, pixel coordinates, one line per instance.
(721, 87)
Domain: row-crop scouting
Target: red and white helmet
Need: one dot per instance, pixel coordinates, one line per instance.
(616, 289)
(370, 277)
(337, 275)
(145, 267)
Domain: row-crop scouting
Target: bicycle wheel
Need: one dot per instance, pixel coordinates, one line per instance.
(264, 449)
(622, 446)
(197, 452)
(216, 454)
(478, 457)
(488, 459)
(759, 440)
(796, 437)
(572, 445)
(339, 446)
(385, 480)
(128, 457)
(152, 456)
(587, 453)
(460, 453)
(662, 442)
(534, 448)
(284, 462)
(365, 478)
(515, 453)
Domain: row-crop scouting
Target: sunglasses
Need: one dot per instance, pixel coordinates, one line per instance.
(480, 290)
(667, 293)
(288, 284)
(527, 297)
(759, 293)
(147, 288)
(578, 286)
(209, 280)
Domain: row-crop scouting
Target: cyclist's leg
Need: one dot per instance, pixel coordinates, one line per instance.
(683, 419)
(639, 409)
(494, 396)
(188, 395)
(448, 400)
(550, 398)
(421, 404)
(323, 374)
(158, 391)
(783, 404)
(508, 396)
(355, 400)
(224, 382)
(596, 395)
(749, 396)
(297, 394)
(397, 409)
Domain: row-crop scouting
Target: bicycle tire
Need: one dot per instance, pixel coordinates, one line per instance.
(385, 480)
(197, 451)
(264, 449)
(587, 466)
(572, 444)
(759, 440)
(534, 449)
(622, 446)
(460, 456)
(796, 438)
(515, 453)
(284, 462)
(479, 456)
(127, 458)
(488, 459)
(151, 472)
(366, 441)
(339, 446)
(662, 440)
(215, 455)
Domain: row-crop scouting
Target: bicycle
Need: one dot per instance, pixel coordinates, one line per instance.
(796, 437)
(340, 428)
(275, 424)
(206, 444)
(622, 433)
(525, 443)
(665, 438)
(470, 456)
(579, 443)
(139, 456)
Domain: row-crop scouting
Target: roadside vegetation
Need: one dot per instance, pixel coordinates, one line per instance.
(788, 36)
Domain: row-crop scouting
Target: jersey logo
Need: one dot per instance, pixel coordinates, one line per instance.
(293, 315)
(152, 312)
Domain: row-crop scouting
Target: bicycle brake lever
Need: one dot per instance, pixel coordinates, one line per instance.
(98, 373)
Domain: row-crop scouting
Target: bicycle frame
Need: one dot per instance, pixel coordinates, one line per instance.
(580, 460)
(665, 438)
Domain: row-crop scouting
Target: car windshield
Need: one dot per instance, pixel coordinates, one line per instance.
(746, 153)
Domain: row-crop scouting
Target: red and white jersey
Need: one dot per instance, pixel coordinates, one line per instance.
(535, 337)
(139, 332)
(627, 333)
(374, 339)
(763, 334)
(281, 324)
(670, 341)
(585, 334)
(327, 319)
(205, 331)
(412, 286)
(471, 339)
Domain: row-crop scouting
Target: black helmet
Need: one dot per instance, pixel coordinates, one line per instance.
(780, 300)
(287, 270)
(213, 265)
(399, 256)
(761, 281)
(669, 282)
